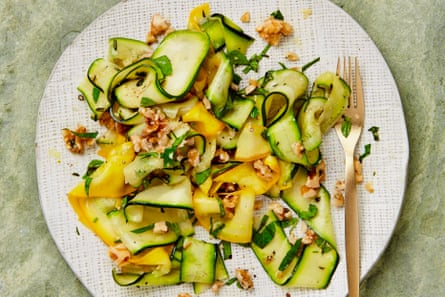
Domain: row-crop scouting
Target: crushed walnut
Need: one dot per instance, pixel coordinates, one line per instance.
(369, 187)
(154, 137)
(245, 17)
(298, 149)
(244, 278)
(229, 203)
(184, 295)
(160, 227)
(309, 235)
(281, 212)
(291, 56)
(222, 156)
(216, 286)
(158, 26)
(74, 143)
(307, 12)
(119, 254)
(262, 170)
(272, 30)
(339, 199)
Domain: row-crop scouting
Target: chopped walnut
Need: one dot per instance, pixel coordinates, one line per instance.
(271, 30)
(307, 12)
(262, 170)
(160, 227)
(158, 26)
(230, 202)
(291, 56)
(193, 157)
(244, 279)
(298, 149)
(340, 185)
(309, 193)
(155, 134)
(369, 187)
(222, 156)
(206, 103)
(119, 254)
(74, 143)
(339, 199)
(184, 295)
(217, 286)
(245, 17)
(309, 237)
(281, 212)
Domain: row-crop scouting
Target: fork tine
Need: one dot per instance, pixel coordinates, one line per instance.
(359, 102)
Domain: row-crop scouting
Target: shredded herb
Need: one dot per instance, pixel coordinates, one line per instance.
(222, 211)
(262, 238)
(143, 229)
(202, 176)
(163, 62)
(231, 281)
(96, 94)
(290, 255)
(174, 227)
(146, 102)
(346, 126)
(366, 153)
(289, 223)
(277, 15)
(309, 214)
(91, 135)
(254, 113)
(148, 154)
(323, 244)
(254, 61)
(309, 64)
(92, 166)
(215, 228)
(375, 132)
(227, 249)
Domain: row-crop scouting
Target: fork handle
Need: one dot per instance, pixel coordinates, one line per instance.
(352, 228)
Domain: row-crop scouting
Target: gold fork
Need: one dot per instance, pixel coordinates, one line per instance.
(354, 115)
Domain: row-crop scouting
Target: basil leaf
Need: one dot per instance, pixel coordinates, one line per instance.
(323, 244)
(202, 176)
(96, 94)
(227, 249)
(146, 102)
(143, 229)
(366, 153)
(237, 58)
(163, 62)
(309, 214)
(277, 15)
(85, 135)
(308, 65)
(290, 255)
(346, 126)
(375, 132)
(263, 238)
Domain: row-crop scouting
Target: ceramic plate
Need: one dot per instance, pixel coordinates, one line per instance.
(327, 33)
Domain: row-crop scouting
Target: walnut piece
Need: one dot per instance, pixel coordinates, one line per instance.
(272, 30)
(244, 279)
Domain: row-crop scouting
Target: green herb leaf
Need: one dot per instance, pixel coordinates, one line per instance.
(227, 249)
(146, 102)
(289, 223)
(366, 153)
(323, 244)
(92, 166)
(96, 94)
(215, 228)
(202, 176)
(277, 15)
(346, 126)
(309, 214)
(91, 135)
(174, 227)
(88, 181)
(290, 255)
(263, 238)
(254, 61)
(254, 113)
(222, 210)
(308, 65)
(237, 58)
(163, 62)
(148, 154)
(231, 281)
(143, 229)
(375, 132)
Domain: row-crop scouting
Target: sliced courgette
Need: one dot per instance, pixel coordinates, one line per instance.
(186, 50)
(238, 113)
(101, 72)
(309, 122)
(198, 261)
(278, 256)
(126, 51)
(96, 99)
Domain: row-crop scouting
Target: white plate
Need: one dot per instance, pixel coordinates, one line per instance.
(329, 32)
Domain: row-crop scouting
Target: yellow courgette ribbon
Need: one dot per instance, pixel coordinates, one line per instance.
(203, 121)
(108, 180)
